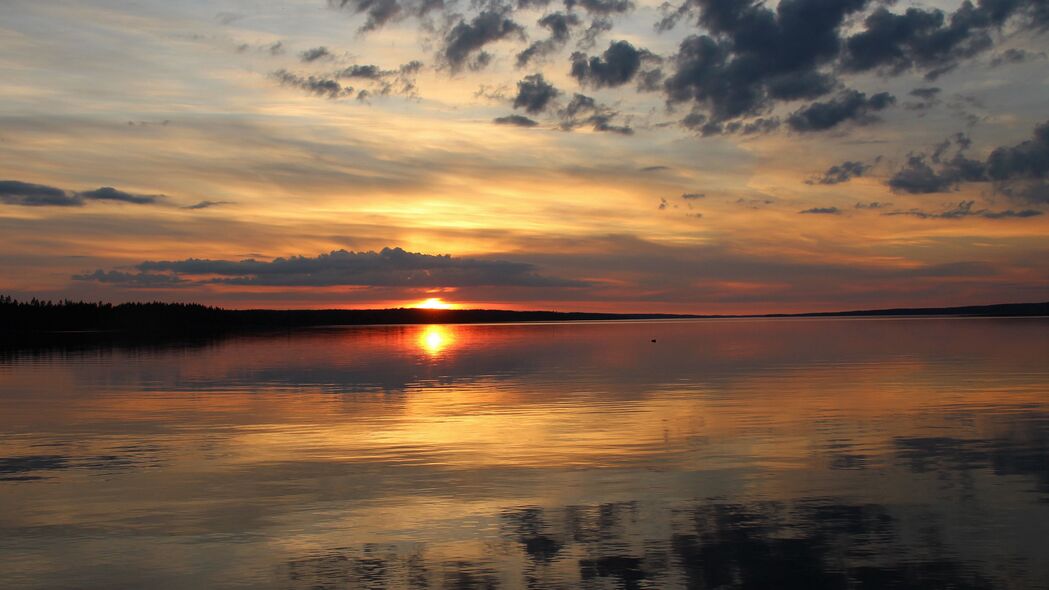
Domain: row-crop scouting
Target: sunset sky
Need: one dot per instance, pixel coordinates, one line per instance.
(710, 156)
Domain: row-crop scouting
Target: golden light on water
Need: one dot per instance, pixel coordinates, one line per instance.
(435, 339)
(435, 303)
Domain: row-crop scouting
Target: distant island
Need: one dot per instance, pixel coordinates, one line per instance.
(42, 317)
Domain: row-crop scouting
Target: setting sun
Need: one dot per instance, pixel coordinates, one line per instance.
(435, 303)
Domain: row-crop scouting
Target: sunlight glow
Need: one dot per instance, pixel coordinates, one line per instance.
(435, 303)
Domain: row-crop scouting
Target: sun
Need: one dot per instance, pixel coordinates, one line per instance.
(435, 303)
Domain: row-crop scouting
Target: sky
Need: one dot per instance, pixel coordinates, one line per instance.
(707, 156)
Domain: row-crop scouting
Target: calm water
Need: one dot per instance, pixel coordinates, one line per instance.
(727, 454)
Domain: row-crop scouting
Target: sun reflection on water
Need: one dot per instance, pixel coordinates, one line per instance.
(435, 339)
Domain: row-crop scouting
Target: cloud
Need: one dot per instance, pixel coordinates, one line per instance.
(1015, 56)
(466, 39)
(534, 94)
(822, 211)
(385, 82)
(312, 55)
(108, 193)
(560, 25)
(518, 120)
(583, 111)
(601, 7)
(381, 12)
(604, 122)
(693, 196)
(14, 192)
(207, 204)
(141, 279)
(1020, 172)
(840, 173)
(754, 57)
(391, 267)
(965, 209)
(929, 40)
(589, 37)
(873, 205)
(579, 104)
(761, 125)
(925, 93)
(615, 67)
(918, 177)
(929, 97)
(847, 106)
(319, 86)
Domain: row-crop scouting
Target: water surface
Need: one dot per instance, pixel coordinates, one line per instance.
(817, 453)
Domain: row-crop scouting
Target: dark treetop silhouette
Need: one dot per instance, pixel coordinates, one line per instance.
(156, 318)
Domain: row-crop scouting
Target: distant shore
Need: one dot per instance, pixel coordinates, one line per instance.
(40, 318)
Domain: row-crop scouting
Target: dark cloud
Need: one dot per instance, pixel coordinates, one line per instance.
(917, 176)
(140, 279)
(693, 196)
(760, 125)
(466, 39)
(320, 86)
(605, 122)
(1010, 213)
(754, 57)
(496, 93)
(873, 205)
(589, 37)
(276, 48)
(207, 204)
(1020, 172)
(391, 267)
(14, 192)
(384, 82)
(654, 168)
(965, 209)
(601, 7)
(615, 67)
(560, 25)
(534, 93)
(108, 193)
(925, 93)
(311, 55)
(584, 111)
(650, 80)
(930, 40)
(929, 97)
(380, 12)
(518, 120)
(369, 72)
(840, 173)
(579, 104)
(822, 211)
(848, 106)
(1015, 56)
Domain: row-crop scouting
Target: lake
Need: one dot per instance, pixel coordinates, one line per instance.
(779, 453)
